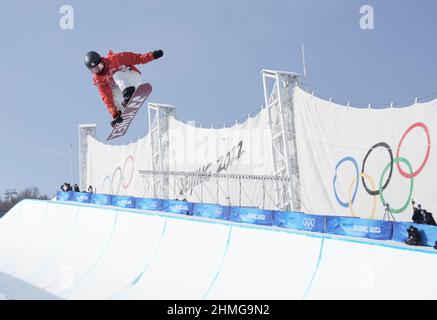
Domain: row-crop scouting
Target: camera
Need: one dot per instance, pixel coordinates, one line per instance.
(387, 214)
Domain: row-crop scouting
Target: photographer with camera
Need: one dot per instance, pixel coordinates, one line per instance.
(414, 238)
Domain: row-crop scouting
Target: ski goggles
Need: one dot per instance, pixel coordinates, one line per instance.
(98, 68)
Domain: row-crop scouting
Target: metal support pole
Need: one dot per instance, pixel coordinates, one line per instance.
(239, 196)
(264, 195)
(85, 130)
(201, 192)
(217, 190)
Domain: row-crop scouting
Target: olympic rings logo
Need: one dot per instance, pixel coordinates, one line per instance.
(113, 184)
(309, 223)
(384, 180)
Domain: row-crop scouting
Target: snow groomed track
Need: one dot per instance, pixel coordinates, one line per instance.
(57, 250)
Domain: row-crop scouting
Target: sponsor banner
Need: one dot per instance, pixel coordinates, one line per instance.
(101, 199)
(428, 234)
(356, 227)
(63, 196)
(177, 206)
(299, 221)
(252, 215)
(212, 211)
(148, 204)
(123, 201)
(81, 197)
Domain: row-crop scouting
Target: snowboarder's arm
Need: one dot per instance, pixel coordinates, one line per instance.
(106, 94)
(128, 58)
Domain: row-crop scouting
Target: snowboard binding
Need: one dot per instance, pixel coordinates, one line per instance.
(127, 95)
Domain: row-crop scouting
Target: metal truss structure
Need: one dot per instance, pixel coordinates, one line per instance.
(216, 186)
(85, 130)
(159, 117)
(285, 182)
(280, 104)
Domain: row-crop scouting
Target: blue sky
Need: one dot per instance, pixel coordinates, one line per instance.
(214, 52)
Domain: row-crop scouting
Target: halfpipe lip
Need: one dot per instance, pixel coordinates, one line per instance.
(380, 243)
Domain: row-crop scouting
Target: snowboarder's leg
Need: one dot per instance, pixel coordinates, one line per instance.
(118, 102)
(118, 98)
(127, 81)
(127, 94)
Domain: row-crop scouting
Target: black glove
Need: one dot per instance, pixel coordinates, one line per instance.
(117, 119)
(158, 54)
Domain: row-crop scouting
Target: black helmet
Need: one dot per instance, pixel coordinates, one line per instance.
(92, 60)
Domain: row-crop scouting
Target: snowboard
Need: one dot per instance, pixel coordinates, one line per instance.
(140, 95)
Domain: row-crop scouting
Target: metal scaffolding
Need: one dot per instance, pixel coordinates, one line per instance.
(85, 130)
(159, 117)
(284, 181)
(279, 101)
(214, 187)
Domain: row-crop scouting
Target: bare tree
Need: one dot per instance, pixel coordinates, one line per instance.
(28, 193)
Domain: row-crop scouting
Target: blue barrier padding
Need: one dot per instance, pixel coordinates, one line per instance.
(212, 211)
(346, 226)
(148, 204)
(101, 199)
(428, 234)
(356, 227)
(123, 201)
(63, 196)
(252, 215)
(177, 206)
(83, 197)
(299, 221)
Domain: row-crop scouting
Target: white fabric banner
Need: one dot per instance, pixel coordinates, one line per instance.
(352, 160)
(115, 169)
(242, 149)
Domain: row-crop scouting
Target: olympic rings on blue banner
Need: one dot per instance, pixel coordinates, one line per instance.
(346, 204)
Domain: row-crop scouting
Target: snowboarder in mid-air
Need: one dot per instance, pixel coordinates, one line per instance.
(117, 78)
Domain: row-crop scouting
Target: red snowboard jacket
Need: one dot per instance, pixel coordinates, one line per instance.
(113, 63)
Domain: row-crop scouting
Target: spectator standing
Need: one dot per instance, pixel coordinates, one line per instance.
(417, 213)
(428, 218)
(66, 187)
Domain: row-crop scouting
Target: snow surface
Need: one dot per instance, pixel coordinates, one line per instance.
(55, 250)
